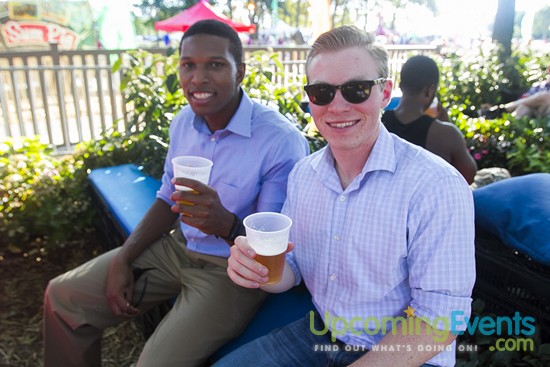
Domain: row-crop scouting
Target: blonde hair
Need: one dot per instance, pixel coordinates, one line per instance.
(346, 37)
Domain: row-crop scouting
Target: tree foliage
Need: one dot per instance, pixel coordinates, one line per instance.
(294, 12)
(154, 10)
(541, 24)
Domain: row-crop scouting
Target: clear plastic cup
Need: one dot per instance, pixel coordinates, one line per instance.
(267, 234)
(193, 167)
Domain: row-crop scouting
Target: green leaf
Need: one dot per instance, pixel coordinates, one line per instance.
(117, 64)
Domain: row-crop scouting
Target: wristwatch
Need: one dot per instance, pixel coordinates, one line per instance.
(236, 230)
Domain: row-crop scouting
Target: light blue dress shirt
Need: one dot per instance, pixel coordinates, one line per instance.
(252, 158)
(402, 233)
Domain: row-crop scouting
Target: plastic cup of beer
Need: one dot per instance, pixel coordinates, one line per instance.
(193, 167)
(267, 234)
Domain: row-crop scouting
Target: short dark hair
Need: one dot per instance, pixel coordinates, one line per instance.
(417, 73)
(216, 28)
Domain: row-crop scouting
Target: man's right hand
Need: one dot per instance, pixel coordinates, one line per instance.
(242, 268)
(245, 271)
(120, 287)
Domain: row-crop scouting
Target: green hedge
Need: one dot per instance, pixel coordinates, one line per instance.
(471, 80)
(520, 145)
(44, 198)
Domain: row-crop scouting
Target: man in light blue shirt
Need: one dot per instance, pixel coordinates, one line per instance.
(252, 158)
(382, 236)
(253, 149)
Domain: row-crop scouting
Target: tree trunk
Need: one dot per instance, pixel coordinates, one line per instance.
(503, 29)
(230, 7)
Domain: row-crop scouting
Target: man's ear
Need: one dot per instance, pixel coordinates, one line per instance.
(430, 91)
(386, 93)
(241, 70)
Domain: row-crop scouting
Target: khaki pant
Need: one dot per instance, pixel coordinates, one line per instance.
(209, 309)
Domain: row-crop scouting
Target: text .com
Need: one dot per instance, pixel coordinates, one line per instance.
(517, 328)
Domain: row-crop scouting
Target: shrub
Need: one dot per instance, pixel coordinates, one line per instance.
(520, 145)
(43, 198)
(471, 79)
(487, 140)
(262, 82)
(468, 81)
(530, 151)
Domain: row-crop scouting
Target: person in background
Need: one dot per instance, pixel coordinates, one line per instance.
(419, 81)
(535, 103)
(437, 111)
(253, 149)
(382, 229)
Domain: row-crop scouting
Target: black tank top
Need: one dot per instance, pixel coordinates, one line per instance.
(415, 132)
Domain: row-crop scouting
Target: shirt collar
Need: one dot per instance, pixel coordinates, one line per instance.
(382, 158)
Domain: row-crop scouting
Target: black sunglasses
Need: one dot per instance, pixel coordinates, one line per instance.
(353, 92)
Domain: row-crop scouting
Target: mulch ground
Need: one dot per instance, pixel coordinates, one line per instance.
(23, 278)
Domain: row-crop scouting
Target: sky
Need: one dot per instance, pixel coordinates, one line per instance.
(474, 17)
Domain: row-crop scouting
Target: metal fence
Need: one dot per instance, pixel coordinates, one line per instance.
(66, 97)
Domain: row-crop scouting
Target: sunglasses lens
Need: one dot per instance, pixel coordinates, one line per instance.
(353, 92)
(356, 92)
(320, 94)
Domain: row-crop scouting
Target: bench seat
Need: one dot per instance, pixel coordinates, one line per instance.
(126, 192)
(123, 194)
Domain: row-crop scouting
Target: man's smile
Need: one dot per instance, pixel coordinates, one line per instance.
(343, 124)
(201, 95)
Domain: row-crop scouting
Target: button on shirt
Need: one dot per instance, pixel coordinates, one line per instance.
(402, 233)
(252, 157)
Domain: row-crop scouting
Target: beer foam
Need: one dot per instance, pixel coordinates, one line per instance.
(268, 246)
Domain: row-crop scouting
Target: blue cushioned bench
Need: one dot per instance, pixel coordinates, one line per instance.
(123, 194)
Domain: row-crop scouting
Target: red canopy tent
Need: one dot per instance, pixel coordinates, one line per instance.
(200, 11)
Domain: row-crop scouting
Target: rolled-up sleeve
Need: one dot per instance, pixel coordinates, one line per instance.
(441, 254)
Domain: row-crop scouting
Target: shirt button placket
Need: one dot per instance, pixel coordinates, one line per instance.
(336, 238)
(211, 147)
